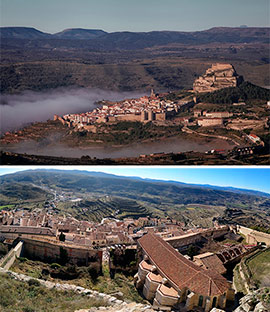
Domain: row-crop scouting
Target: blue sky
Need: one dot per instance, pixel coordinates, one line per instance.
(248, 178)
(140, 15)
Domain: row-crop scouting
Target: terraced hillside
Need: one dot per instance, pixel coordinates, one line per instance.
(97, 208)
(106, 195)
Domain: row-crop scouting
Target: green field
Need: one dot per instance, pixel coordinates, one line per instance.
(260, 268)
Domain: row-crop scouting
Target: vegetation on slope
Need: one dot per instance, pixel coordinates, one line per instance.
(259, 267)
(17, 296)
(21, 192)
(95, 209)
(80, 276)
(245, 92)
(122, 133)
(134, 198)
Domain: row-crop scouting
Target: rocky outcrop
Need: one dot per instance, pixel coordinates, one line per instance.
(253, 301)
(217, 77)
(128, 307)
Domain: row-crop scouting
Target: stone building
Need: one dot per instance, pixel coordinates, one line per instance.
(217, 77)
(208, 122)
(211, 261)
(170, 280)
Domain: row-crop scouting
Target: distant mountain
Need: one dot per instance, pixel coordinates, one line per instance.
(127, 61)
(109, 195)
(38, 175)
(79, 33)
(22, 33)
(139, 40)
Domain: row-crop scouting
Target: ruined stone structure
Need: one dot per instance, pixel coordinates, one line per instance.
(171, 280)
(217, 77)
(38, 243)
(182, 242)
(253, 236)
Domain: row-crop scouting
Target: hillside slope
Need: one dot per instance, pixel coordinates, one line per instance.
(107, 195)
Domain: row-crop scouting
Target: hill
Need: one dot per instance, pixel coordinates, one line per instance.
(79, 33)
(125, 61)
(139, 40)
(22, 33)
(244, 92)
(107, 195)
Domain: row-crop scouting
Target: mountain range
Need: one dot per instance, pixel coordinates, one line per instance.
(106, 195)
(41, 176)
(138, 40)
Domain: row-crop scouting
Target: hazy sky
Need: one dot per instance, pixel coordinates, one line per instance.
(133, 15)
(249, 178)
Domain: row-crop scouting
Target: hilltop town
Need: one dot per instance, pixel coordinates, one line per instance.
(219, 107)
(177, 268)
(130, 242)
(158, 107)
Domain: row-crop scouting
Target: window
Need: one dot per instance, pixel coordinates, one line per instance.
(214, 302)
(200, 301)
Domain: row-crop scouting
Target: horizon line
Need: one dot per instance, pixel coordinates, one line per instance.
(142, 178)
(146, 31)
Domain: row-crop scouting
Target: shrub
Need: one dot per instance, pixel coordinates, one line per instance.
(93, 271)
(28, 309)
(55, 266)
(33, 282)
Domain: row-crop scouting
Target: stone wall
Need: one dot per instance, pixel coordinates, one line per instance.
(253, 236)
(52, 253)
(9, 258)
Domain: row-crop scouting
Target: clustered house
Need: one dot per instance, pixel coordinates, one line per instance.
(169, 279)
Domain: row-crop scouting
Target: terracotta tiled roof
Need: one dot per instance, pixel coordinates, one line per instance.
(168, 291)
(181, 271)
(212, 261)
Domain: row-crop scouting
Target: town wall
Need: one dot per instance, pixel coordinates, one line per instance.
(9, 258)
(207, 122)
(187, 239)
(50, 252)
(126, 117)
(253, 236)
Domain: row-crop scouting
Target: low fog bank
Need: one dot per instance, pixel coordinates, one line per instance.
(47, 148)
(30, 106)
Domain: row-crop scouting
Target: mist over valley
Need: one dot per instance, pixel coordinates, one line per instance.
(18, 110)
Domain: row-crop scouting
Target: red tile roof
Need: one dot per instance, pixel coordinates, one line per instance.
(181, 271)
(212, 261)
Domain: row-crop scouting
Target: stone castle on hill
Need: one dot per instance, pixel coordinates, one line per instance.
(217, 77)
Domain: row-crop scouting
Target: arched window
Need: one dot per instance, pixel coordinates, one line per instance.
(214, 302)
(200, 301)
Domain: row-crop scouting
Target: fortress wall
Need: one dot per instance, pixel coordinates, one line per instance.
(9, 259)
(185, 240)
(51, 252)
(128, 117)
(253, 236)
(244, 230)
